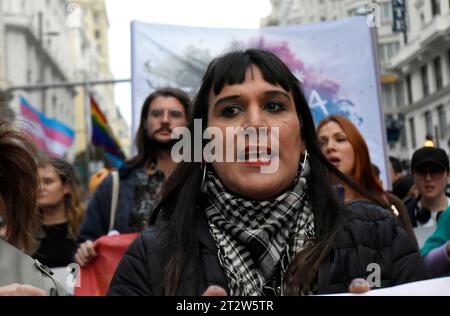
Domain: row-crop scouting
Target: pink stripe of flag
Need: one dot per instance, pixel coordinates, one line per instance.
(58, 136)
(34, 126)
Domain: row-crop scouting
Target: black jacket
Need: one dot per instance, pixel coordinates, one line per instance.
(96, 220)
(369, 236)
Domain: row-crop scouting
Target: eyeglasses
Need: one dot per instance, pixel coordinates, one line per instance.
(421, 175)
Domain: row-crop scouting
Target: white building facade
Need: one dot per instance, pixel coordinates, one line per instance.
(90, 55)
(423, 66)
(35, 51)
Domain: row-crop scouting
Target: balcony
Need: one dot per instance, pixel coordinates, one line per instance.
(429, 39)
(29, 28)
(16, 20)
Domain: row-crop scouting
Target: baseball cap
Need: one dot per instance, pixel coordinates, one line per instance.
(431, 155)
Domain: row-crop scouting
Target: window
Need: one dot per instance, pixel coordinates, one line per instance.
(399, 95)
(401, 118)
(97, 34)
(393, 48)
(29, 76)
(448, 53)
(412, 129)
(409, 89)
(422, 19)
(393, 95)
(387, 50)
(428, 122)
(54, 104)
(386, 12)
(435, 7)
(352, 12)
(442, 118)
(425, 85)
(438, 73)
(388, 95)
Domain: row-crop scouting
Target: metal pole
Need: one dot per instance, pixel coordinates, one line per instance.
(62, 85)
(41, 66)
(88, 133)
(374, 35)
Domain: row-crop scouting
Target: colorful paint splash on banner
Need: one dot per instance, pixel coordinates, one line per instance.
(324, 95)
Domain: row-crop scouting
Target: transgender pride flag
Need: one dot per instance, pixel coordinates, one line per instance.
(50, 135)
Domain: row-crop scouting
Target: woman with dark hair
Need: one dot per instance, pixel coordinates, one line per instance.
(61, 212)
(346, 149)
(18, 192)
(229, 224)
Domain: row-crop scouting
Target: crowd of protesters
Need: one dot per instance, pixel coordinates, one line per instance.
(311, 227)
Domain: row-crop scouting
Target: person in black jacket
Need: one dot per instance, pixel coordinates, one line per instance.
(252, 229)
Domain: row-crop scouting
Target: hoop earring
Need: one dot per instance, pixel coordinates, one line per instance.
(203, 167)
(304, 163)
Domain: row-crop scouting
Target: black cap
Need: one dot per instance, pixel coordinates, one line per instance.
(431, 155)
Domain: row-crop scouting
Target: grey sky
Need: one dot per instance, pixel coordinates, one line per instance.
(206, 13)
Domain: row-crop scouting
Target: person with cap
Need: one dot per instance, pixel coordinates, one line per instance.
(430, 170)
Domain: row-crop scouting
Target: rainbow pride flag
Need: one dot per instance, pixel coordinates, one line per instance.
(103, 136)
(50, 135)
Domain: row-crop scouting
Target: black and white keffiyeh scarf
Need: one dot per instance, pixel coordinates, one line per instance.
(257, 239)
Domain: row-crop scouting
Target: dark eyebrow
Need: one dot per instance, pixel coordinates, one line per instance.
(227, 98)
(277, 93)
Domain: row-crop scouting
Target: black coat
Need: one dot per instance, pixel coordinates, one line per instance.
(370, 235)
(98, 213)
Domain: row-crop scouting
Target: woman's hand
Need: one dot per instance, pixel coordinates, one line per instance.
(359, 286)
(214, 290)
(85, 253)
(21, 290)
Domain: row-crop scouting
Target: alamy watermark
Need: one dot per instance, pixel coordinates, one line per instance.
(73, 279)
(258, 147)
(374, 278)
(373, 11)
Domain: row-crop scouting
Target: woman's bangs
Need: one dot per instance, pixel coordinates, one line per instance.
(230, 70)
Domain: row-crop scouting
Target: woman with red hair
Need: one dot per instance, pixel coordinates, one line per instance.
(346, 149)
